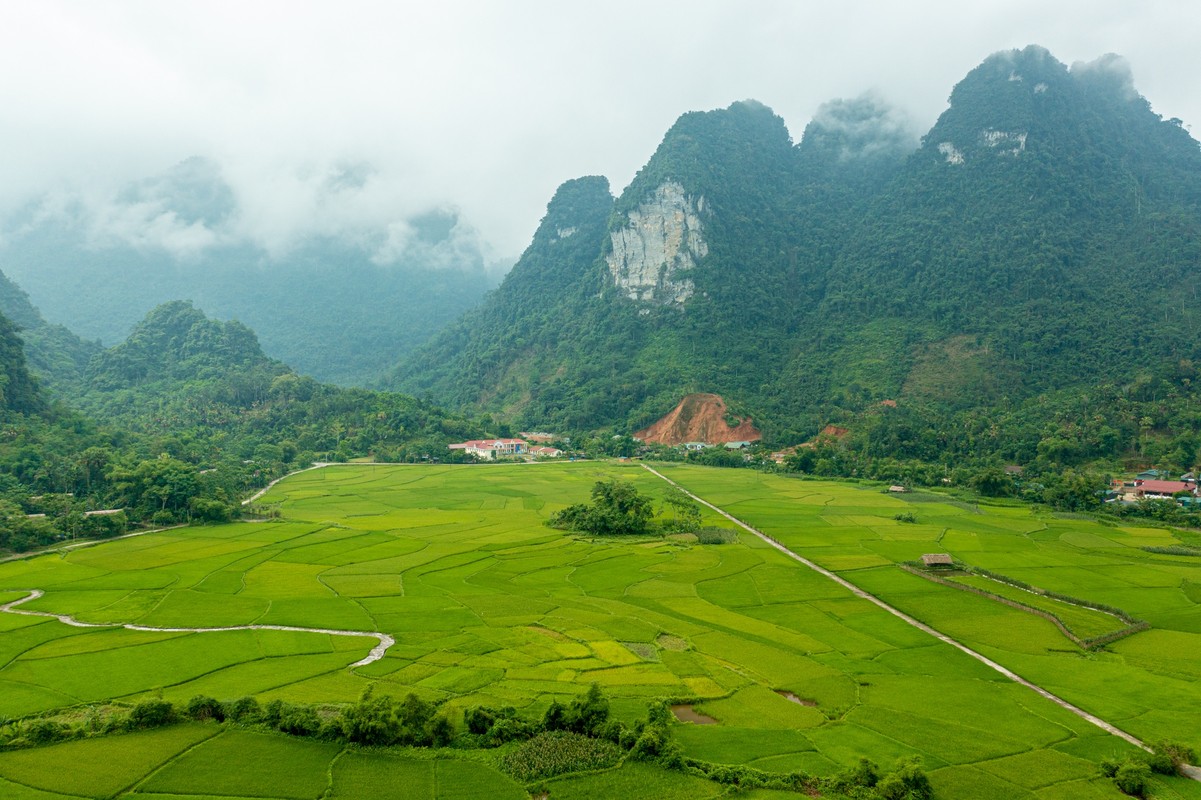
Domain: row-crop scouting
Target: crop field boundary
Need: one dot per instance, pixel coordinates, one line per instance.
(377, 652)
(1108, 727)
(1084, 644)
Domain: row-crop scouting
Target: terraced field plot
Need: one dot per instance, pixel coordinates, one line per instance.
(488, 606)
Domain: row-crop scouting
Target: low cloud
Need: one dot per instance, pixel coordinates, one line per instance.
(194, 208)
(863, 127)
(439, 240)
(148, 226)
(1111, 69)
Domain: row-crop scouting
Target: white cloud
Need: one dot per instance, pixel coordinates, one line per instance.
(482, 106)
(147, 226)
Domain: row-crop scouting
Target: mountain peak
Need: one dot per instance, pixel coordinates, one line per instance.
(176, 340)
(574, 203)
(704, 149)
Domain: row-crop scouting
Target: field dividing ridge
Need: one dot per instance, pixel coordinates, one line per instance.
(858, 592)
(385, 640)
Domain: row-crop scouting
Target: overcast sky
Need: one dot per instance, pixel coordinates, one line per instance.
(487, 106)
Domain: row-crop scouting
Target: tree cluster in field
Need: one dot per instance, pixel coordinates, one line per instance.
(96, 722)
(373, 721)
(715, 536)
(1133, 775)
(865, 781)
(554, 753)
(619, 509)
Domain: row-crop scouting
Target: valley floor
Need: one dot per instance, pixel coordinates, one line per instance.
(488, 606)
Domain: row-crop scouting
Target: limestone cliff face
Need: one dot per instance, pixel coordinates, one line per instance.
(660, 243)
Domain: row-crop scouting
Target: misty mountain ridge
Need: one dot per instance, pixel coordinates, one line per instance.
(53, 353)
(338, 302)
(1005, 254)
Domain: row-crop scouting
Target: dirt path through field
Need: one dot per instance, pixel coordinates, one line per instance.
(270, 486)
(377, 652)
(1191, 772)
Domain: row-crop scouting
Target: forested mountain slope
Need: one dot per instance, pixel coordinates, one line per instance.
(56, 355)
(656, 293)
(1039, 238)
(1051, 217)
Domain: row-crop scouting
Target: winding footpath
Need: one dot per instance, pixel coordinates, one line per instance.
(270, 486)
(377, 652)
(1189, 771)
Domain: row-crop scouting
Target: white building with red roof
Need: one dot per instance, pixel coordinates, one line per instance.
(491, 449)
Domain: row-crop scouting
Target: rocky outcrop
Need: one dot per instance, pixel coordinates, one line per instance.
(699, 418)
(660, 243)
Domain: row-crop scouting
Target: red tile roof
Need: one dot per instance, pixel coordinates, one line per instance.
(1164, 487)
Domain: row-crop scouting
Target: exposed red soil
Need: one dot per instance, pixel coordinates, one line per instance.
(830, 432)
(699, 418)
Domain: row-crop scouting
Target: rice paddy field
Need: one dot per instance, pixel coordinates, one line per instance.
(488, 606)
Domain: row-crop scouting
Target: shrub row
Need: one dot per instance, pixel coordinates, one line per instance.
(572, 737)
(1133, 775)
(1076, 601)
(1174, 550)
(47, 730)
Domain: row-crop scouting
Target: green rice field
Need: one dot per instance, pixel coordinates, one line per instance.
(488, 606)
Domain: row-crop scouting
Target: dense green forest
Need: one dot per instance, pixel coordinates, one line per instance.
(176, 424)
(1019, 283)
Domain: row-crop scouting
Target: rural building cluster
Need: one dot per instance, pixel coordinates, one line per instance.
(1155, 485)
(494, 449)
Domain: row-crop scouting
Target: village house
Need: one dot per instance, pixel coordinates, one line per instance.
(492, 449)
(1161, 490)
(546, 452)
(1143, 488)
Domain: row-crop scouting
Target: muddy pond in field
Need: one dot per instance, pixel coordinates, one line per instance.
(800, 701)
(686, 713)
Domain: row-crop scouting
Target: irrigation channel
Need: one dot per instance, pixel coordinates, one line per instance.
(1188, 770)
(377, 652)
